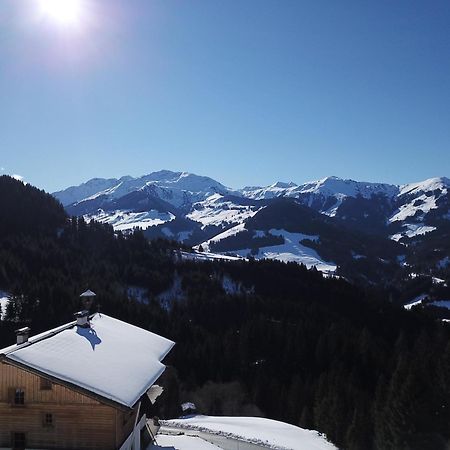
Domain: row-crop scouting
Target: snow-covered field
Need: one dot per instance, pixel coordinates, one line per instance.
(127, 220)
(415, 301)
(206, 256)
(424, 204)
(411, 230)
(265, 432)
(215, 211)
(419, 300)
(224, 235)
(290, 251)
(293, 251)
(422, 201)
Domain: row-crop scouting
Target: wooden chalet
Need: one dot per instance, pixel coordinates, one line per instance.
(79, 386)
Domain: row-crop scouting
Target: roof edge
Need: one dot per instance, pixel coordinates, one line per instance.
(100, 398)
(5, 352)
(155, 379)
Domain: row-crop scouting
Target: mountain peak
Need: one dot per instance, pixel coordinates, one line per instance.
(335, 186)
(431, 184)
(283, 185)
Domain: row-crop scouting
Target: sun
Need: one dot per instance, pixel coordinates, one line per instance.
(63, 12)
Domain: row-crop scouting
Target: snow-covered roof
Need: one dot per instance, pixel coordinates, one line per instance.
(112, 359)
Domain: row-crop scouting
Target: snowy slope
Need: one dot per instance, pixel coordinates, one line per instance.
(182, 189)
(415, 301)
(290, 251)
(293, 251)
(207, 256)
(77, 193)
(123, 220)
(176, 188)
(216, 210)
(326, 195)
(420, 198)
(224, 235)
(415, 203)
(265, 432)
(204, 200)
(429, 185)
(424, 302)
(329, 186)
(198, 210)
(277, 189)
(411, 230)
(339, 188)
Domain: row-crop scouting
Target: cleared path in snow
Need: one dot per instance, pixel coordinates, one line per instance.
(232, 433)
(181, 442)
(223, 442)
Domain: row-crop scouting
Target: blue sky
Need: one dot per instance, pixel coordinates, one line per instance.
(244, 91)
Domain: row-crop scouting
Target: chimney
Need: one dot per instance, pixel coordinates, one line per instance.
(22, 335)
(82, 318)
(88, 298)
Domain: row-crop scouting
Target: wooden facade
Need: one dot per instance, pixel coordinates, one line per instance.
(39, 413)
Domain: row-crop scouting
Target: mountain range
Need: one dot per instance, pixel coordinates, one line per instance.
(371, 231)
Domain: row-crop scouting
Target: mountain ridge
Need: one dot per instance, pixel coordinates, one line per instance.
(367, 218)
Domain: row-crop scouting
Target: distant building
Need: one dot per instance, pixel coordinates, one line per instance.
(78, 386)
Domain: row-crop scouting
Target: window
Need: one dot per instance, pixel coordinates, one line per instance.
(48, 420)
(46, 385)
(18, 441)
(19, 397)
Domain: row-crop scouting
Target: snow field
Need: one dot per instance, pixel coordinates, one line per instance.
(265, 432)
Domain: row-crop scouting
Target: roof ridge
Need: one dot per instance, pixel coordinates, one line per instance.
(39, 337)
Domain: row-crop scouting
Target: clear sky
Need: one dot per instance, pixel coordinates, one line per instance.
(244, 91)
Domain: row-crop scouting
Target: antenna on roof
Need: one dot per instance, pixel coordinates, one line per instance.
(88, 297)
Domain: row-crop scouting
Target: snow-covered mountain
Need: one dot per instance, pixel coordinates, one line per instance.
(421, 206)
(325, 223)
(205, 200)
(180, 189)
(325, 195)
(92, 187)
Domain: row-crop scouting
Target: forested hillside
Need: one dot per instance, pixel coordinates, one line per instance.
(253, 338)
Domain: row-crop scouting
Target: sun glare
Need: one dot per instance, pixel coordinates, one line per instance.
(64, 12)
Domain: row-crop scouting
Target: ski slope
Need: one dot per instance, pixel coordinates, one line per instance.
(292, 251)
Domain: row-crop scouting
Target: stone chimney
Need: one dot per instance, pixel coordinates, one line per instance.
(82, 318)
(22, 335)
